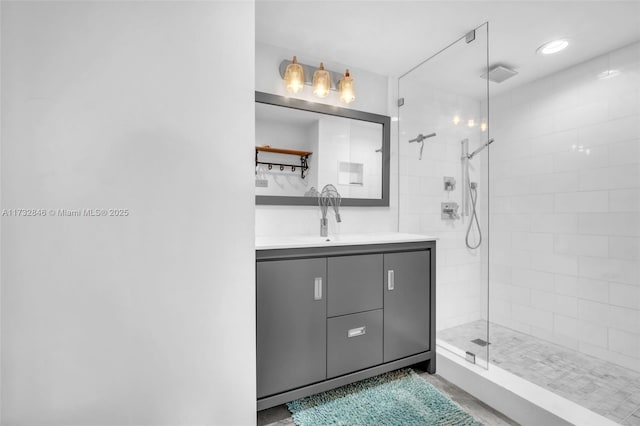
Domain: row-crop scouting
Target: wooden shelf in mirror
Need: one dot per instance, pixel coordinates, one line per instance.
(267, 148)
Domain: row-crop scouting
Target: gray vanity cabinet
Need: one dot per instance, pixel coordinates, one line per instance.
(406, 304)
(332, 315)
(291, 318)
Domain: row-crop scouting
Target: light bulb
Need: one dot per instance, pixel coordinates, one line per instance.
(345, 87)
(294, 76)
(321, 82)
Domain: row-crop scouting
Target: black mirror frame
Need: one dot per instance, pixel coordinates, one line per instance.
(275, 200)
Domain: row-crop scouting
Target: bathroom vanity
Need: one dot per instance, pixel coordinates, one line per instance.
(332, 311)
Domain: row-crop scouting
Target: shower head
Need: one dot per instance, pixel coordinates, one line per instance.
(489, 142)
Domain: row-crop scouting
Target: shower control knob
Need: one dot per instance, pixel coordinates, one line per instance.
(449, 211)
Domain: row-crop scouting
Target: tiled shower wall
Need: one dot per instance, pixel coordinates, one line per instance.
(565, 208)
(426, 110)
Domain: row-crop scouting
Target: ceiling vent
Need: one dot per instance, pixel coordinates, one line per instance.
(499, 73)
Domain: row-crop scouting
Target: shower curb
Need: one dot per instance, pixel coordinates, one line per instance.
(522, 401)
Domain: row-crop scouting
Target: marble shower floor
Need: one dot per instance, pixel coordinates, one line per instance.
(603, 387)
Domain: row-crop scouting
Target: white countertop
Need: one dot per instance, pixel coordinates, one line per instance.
(302, 241)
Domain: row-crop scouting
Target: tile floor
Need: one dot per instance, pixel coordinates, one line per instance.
(603, 387)
(280, 416)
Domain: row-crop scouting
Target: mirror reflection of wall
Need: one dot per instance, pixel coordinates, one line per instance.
(332, 140)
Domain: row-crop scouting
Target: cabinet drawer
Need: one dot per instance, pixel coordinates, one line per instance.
(354, 342)
(354, 284)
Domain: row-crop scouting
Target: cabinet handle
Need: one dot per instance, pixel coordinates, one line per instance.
(358, 331)
(390, 280)
(317, 288)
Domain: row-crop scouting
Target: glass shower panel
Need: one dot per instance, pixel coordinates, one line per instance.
(443, 176)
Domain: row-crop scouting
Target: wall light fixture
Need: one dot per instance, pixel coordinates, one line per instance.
(321, 79)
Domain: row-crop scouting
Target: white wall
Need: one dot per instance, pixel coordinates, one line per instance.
(374, 93)
(565, 208)
(146, 319)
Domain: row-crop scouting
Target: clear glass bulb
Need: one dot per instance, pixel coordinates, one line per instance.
(321, 82)
(294, 76)
(347, 93)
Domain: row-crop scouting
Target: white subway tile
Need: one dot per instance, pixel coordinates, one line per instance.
(581, 245)
(520, 258)
(624, 200)
(593, 332)
(542, 300)
(566, 285)
(555, 263)
(624, 342)
(554, 182)
(622, 129)
(509, 222)
(565, 223)
(581, 157)
(595, 290)
(512, 186)
(590, 201)
(624, 295)
(624, 152)
(615, 270)
(623, 319)
(593, 312)
(612, 224)
(554, 142)
(533, 317)
(624, 248)
(499, 309)
(537, 280)
(526, 166)
(539, 242)
(565, 305)
(539, 203)
(520, 295)
(624, 104)
(625, 176)
(566, 326)
(581, 115)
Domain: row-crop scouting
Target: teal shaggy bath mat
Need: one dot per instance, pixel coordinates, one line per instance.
(396, 398)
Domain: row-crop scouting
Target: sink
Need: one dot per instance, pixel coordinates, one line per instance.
(300, 241)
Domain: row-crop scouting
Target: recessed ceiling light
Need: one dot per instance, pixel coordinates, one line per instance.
(552, 47)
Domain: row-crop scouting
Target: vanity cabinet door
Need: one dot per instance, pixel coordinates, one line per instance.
(291, 324)
(406, 304)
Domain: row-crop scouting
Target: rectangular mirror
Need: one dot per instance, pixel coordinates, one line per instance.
(302, 146)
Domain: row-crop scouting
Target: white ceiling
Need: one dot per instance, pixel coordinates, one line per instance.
(391, 37)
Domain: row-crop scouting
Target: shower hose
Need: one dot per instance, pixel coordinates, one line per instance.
(473, 194)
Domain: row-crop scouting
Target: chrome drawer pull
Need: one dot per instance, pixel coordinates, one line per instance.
(390, 280)
(355, 332)
(317, 288)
